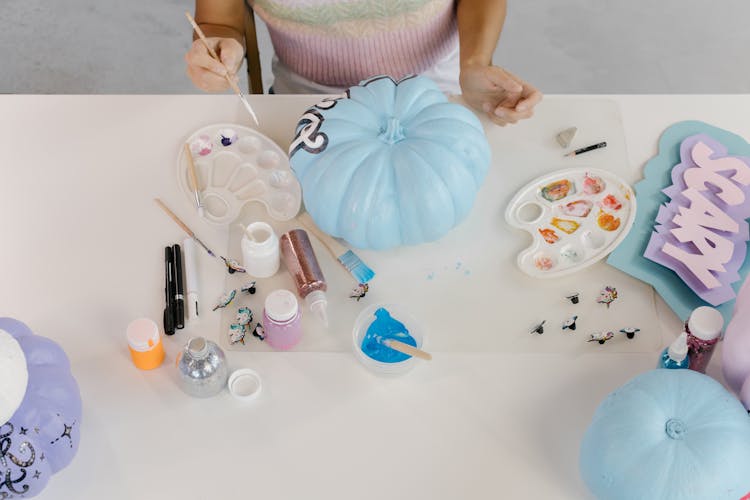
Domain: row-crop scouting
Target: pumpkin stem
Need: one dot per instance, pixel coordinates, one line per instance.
(393, 132)
(675, 428)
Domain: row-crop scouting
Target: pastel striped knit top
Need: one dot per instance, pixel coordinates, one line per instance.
(341, 42)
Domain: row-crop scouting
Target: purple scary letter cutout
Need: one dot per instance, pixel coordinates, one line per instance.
(701, 234)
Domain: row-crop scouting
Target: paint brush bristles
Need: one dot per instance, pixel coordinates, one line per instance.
(346, 257)
(356, 267)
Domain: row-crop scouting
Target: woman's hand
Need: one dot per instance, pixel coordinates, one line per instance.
(502, 96)
(206, 72)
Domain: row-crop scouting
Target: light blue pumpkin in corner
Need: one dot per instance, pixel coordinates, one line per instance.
(668, 434)
(389, 163)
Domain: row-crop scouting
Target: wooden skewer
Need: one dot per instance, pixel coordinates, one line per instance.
(213, 54)
(399, 346)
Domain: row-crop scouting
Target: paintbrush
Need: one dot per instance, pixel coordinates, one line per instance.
(345, 256)
(213, 54)
(183, 226)
(193, 179)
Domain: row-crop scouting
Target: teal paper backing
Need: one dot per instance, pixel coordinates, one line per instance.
(628, 256)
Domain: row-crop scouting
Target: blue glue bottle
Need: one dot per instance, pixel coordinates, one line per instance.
(676, 355)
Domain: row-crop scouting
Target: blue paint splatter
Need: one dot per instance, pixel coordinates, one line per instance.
(458, 265)
(467, 272)
(431, 276)
(384, 328)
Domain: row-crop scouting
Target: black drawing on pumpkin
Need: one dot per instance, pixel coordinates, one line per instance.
(309, 137)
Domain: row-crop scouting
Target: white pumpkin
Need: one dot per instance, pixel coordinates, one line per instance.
(14, 376)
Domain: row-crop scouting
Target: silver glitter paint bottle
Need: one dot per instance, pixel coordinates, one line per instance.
(202, 368)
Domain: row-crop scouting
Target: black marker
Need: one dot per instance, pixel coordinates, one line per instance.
(168, 292)
(587, 149)
(179, 298)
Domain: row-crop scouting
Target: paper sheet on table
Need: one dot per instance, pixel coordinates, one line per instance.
(466, 288)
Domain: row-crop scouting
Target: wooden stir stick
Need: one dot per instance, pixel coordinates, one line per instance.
(213, 54)
(399, 346)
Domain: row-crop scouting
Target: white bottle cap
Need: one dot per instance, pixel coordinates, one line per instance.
(678, 350)
(317, 303)
(260, 250)
(244, 384)
(281, 305)
(706, 323)
(142, 334)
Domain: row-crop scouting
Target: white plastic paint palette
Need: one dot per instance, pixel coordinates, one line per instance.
(236, 165)
(575, 216)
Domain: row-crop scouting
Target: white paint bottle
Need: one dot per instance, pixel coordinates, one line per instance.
(260, 250)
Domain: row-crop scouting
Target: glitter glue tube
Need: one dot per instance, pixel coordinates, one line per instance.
(302, 264)
(703, 329)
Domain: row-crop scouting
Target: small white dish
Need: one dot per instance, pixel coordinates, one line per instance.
(363, 322)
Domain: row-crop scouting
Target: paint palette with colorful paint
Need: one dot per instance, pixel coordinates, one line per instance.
(236, 165)
(575, 216)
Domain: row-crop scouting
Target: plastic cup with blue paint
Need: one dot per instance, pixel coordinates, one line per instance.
(378, 322)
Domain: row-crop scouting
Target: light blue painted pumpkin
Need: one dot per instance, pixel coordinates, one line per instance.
(388, 163)
(668, 434)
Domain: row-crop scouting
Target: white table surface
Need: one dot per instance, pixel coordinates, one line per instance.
(80, 257)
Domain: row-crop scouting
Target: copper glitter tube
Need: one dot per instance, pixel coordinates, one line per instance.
(300, 261)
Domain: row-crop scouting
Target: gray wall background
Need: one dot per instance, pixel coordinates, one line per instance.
(562, 46)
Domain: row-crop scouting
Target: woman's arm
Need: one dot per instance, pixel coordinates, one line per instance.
(221, 19)
(223, 23)
(503, 96)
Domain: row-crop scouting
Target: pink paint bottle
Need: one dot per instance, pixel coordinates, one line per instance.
(703, 329)
(282, 320)
(302, 264)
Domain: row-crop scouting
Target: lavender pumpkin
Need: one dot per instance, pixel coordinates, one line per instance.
(42, 434)
(735, 362)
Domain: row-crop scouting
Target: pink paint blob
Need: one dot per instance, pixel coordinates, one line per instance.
(593, 184)
(201, 145)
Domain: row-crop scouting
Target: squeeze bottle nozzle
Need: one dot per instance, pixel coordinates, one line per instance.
(318, 303)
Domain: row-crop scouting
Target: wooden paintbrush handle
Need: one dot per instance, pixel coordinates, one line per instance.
(200, 34)
(174, 217)
(191, 169)
(336, 248)
(211, 51)
(399, 346)
(227, 75)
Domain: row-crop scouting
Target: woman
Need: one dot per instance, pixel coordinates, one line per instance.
(325, 46)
